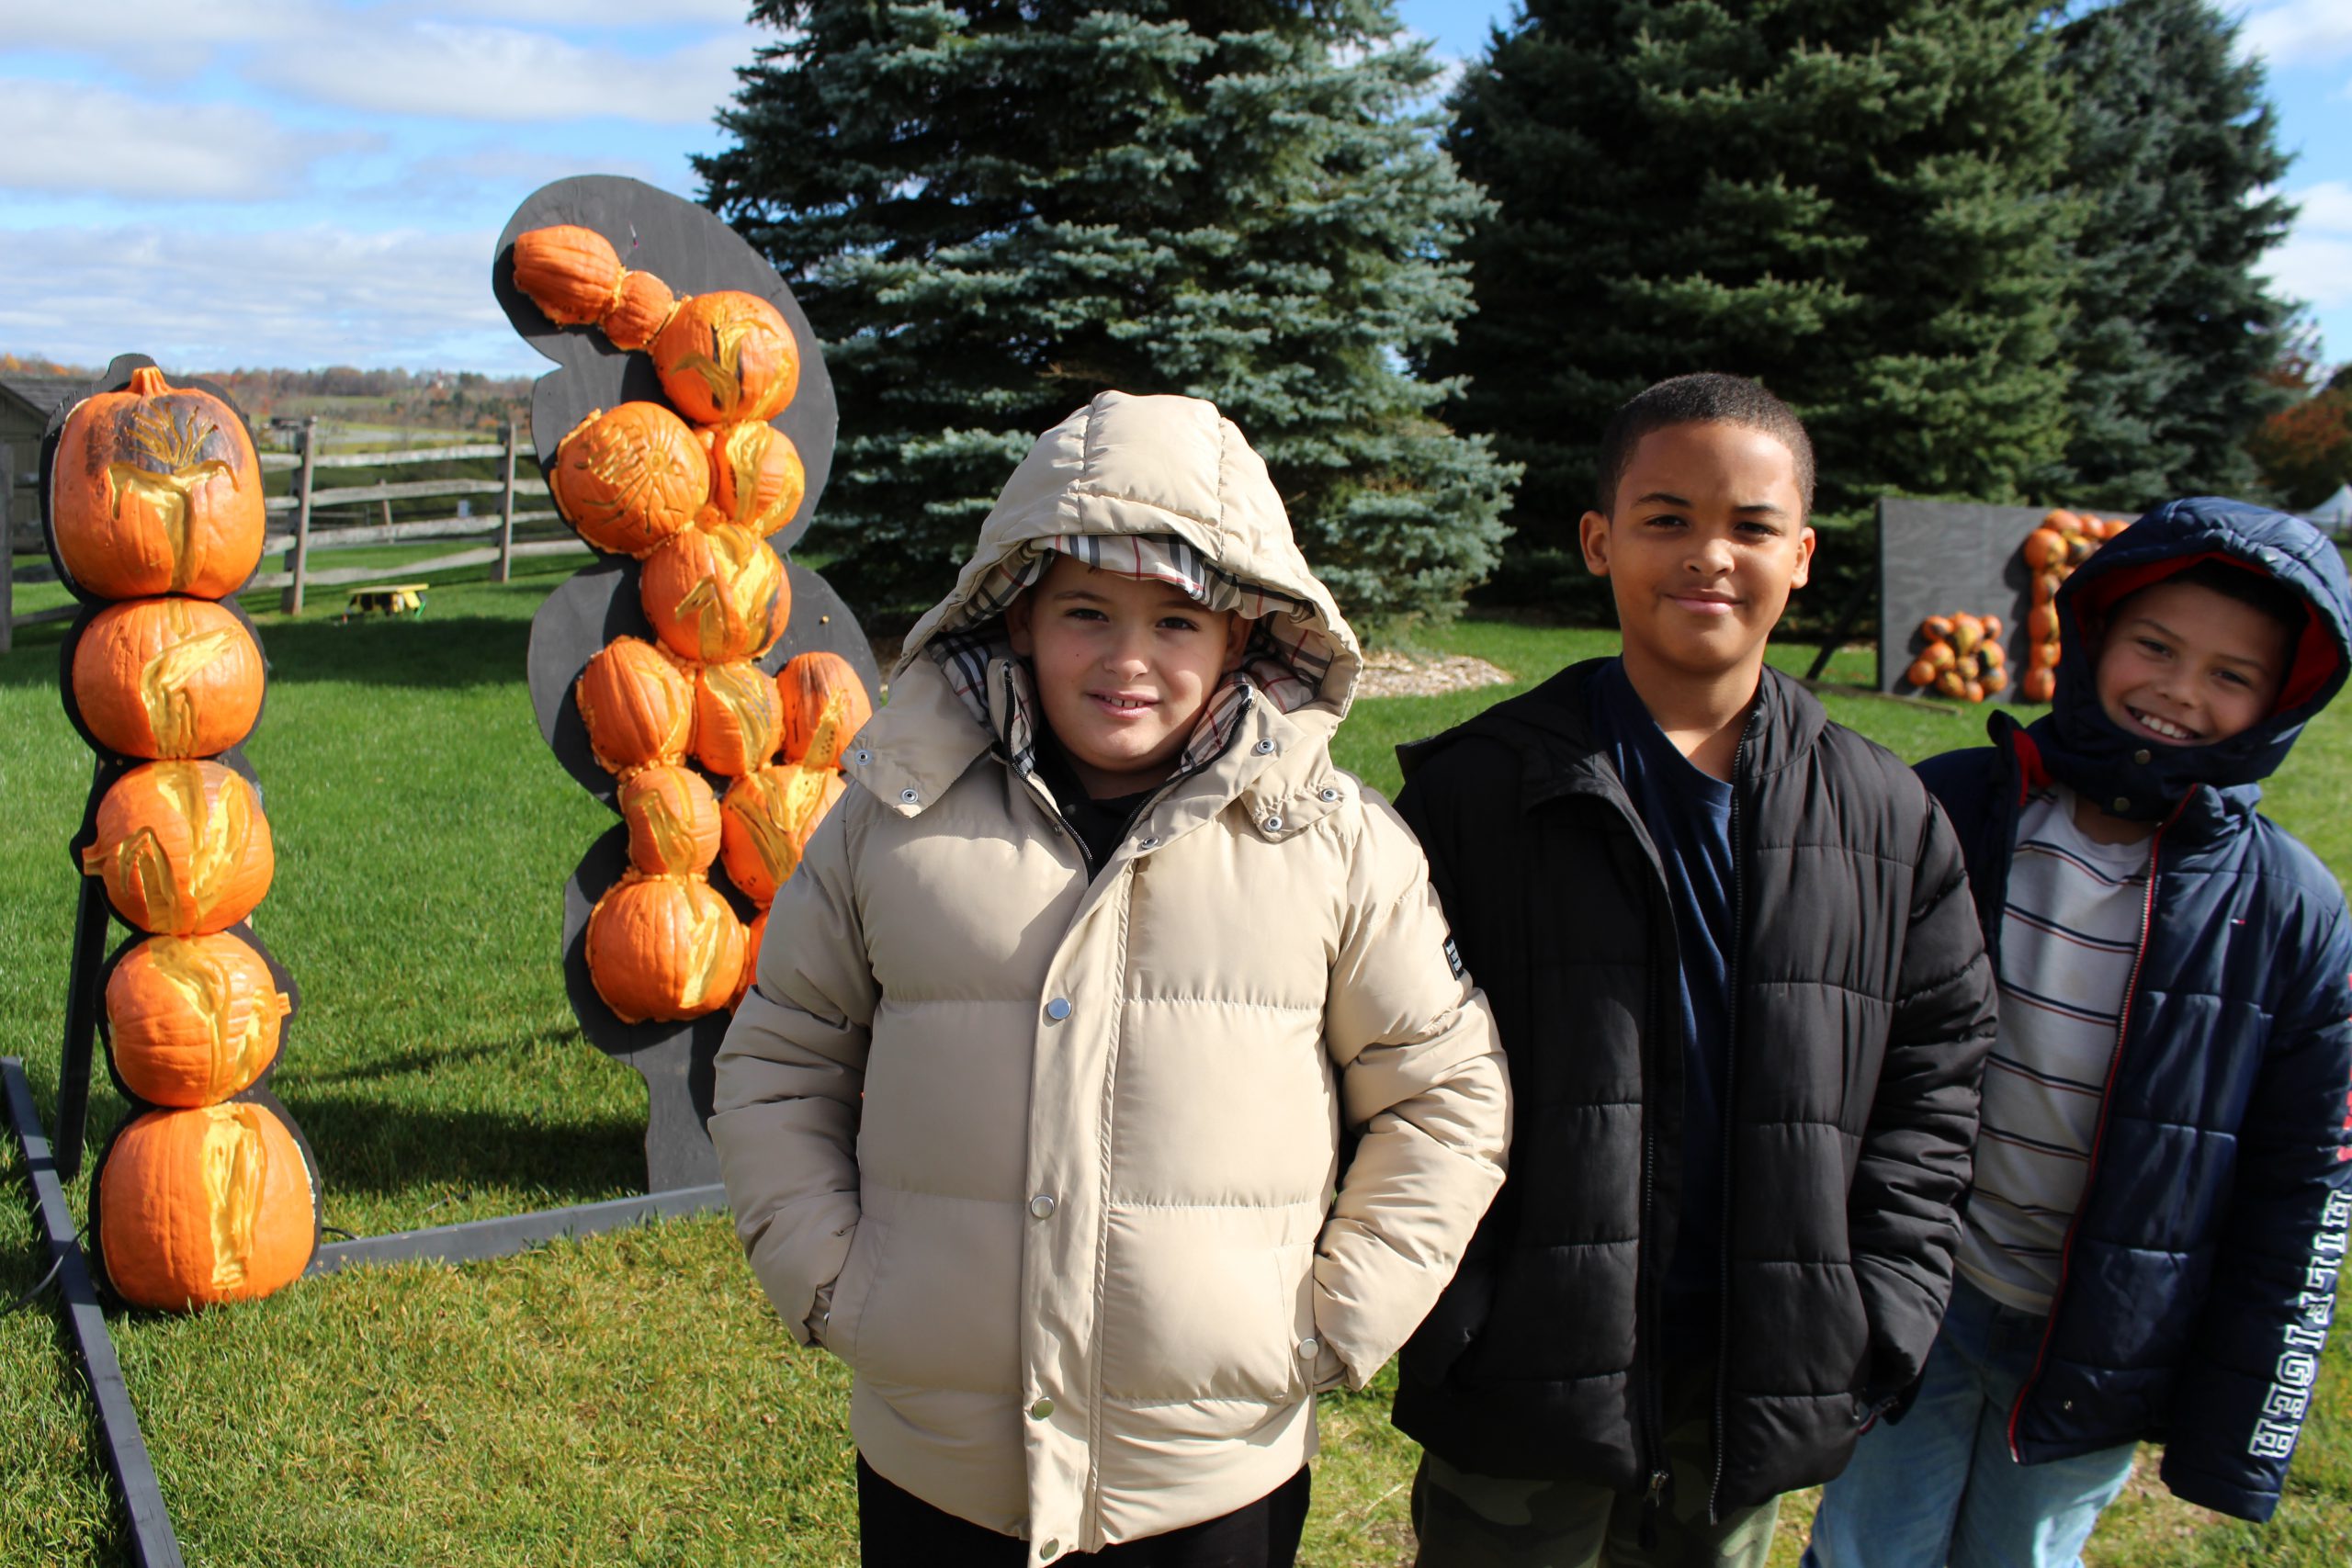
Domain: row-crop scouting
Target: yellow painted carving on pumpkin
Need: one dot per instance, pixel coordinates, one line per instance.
(786, 798)
(639, 470)
(236, 1169)
(722, 369)
(738, 590)
(674, 837)
(176, 467)
(205, 985)
(705, 942)
(162, 684)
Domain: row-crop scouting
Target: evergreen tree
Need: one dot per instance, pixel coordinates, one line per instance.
(1849, 200)
(993, 210)
(2173, 149)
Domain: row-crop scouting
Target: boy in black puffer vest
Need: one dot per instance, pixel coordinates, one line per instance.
(2164, 1179)
(1738, 979)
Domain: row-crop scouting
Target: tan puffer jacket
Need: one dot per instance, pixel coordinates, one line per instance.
(1050, 1161)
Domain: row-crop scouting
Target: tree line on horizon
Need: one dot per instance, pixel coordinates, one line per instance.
(1997, 252)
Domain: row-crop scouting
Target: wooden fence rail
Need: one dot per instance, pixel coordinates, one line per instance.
(20, 514)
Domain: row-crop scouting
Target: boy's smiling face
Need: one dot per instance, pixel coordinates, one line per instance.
(1705, 539)
(1123, 667)
(2182, 665)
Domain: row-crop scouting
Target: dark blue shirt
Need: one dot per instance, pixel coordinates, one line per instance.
(1687, 812)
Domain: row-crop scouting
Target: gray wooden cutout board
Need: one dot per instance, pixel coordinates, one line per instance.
(1935, 557)
(693, 253)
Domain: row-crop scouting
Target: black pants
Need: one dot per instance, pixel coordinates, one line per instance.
(898, 1529)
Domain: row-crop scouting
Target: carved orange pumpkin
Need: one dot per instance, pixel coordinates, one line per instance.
(727, 356)
(195, 1019)
(738, 724)
(642, 309)
(815, 686)
(638, 704)
(168, 678)
(665, 948)
(765, 820)
(183, 848)
(672, 821)
(756, 477)
(631, 477)
(715, 595)
(205, 1205)
(572, 274)
(157, 489)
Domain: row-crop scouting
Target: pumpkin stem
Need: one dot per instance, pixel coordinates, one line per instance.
(148, 382)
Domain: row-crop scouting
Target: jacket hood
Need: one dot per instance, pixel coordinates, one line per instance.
(2078, 745)
(1157, 468)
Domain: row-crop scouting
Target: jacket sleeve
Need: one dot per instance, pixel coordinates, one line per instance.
(790, 1073)
(1901, 1211)
(2246, 1380)
(1421, 1073)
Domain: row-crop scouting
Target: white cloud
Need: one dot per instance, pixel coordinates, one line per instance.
(296, 296)
(2314, 264)
(606, 13)
(461, 71)
(86, 141)
(2299, 32)
(151, 38)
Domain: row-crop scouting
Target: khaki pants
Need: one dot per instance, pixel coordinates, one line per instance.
(1485, 1521)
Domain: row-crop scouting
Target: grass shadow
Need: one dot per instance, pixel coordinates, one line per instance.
(366, 1147)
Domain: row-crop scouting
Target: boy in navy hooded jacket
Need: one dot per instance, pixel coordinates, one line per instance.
(2164, 1176)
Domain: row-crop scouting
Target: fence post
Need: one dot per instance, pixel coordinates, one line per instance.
(8, 546)
(506, 515)
(293, 602)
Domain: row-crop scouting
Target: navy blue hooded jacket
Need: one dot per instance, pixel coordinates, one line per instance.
(2199, 1276)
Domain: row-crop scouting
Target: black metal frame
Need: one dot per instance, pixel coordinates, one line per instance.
(153, 1543)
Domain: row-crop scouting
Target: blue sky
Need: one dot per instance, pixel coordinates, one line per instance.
(221, 183)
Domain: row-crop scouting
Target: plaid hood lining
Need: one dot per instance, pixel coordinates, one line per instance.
(1283, 661)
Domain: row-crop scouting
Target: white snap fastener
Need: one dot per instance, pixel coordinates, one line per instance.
(1042, 1205)
(2123, 803)
(1263, 747)
(1041, 1409)
(1274, 824)
(1151, 844)
(862, 756)
(1309, 1349)
(1330, 794)
(1058, 1009)
(1046, 1553)
(909, 796)
(2141, 756)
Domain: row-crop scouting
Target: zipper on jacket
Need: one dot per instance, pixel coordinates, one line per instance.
(2098, 1137)
(1646, 1308)
(1731, 1079)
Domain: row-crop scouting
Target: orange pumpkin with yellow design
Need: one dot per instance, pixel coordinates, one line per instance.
(157, 489)
(664, 948)
(193, 1019)
(182, 847)
(209, 1204)
(160, 678)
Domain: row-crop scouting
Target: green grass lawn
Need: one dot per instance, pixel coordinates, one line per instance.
(628, 1398)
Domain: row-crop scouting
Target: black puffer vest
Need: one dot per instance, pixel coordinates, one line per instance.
(1861, 1009)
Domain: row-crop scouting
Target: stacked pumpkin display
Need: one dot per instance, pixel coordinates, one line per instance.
(694, 505)
(155, 515)
(1961, 657)
(2060, 542)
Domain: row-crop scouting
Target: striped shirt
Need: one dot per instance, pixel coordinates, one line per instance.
(2070, 935)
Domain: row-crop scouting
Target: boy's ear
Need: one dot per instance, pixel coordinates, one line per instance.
(1806, 539)
(1592, 531)
(1016, 622)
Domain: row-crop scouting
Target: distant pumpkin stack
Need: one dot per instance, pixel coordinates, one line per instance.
(206, 1195)
(2062, 541)
(692, 490)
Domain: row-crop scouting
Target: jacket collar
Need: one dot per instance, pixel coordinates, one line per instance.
(1552, 729)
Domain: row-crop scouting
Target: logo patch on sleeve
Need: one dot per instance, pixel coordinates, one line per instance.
(1454, 958)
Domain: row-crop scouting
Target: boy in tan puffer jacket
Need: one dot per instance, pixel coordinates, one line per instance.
(1034, 1114)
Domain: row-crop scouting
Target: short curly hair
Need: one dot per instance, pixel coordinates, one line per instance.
(1707, 398)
